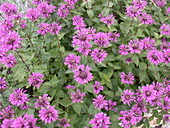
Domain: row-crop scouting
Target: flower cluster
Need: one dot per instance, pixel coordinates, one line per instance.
(36, 79)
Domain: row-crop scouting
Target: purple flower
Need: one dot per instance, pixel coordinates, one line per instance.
(98, 55)
(8, 8)
(36, 79)
(160, 3)
(7, 123)
(146, 19)
(78, 22)
(44, 28)
(127, 97)
(9, 60)
(166, 104)
(109, 19)
(18, 98)
(137, 113)
(123, 49)
(168, 10)
(166, 117)
(42, 101)
(148, 93)
(165, 29)
(72, 61)
(155, 57)
(45, 9)
(36, 2)
(166, 56)
(99, 102)
(25, 121)
(7, 25)
(164, 45)
(111, 106)
(48, 114)
(3, 83)
(64, 123)
(82, 37)
(134, 46)
(82, 74)
(70, 86)
(84, 49)
(33, 14)
(101, 120)
(64, 10)
(102, 39)
(127, 119)
(147, 43)
(11, 41)
(97, 87)
(7, 113)
(77, 96)
(55, 28)
(166, 82)
(139, 3)
(113, 36)
(133, 11)
(127, 79)
(129, 60)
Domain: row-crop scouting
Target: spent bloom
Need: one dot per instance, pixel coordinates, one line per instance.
(18, 98)
(146, 19)
(72, 61)
(36, 79)
(48, 114)
(127, 79)
(127, 96)
(109, 19)
(82, 74)
(99, 102)
(165, 29)
(101, 120)
(3, 83)
(97, 87)
(77, 96)
(64, 123)
(42, 101)
(155, 57)
(98, 55)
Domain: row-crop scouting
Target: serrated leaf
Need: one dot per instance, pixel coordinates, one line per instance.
(90, 13)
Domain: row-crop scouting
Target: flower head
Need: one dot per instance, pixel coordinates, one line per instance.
(55, 28)
(48, 114)
(77, 96)
(155, 57)
(97, 87)
(9, 60)
(99, 102)
(165, 29)
(127, 79)
(33, 14)
(7, 113)
(127, 96)
(18, 98)
(64, 122)
(101, 120)
(3, 83)
(146, 19)
(44, 28)
(72, 61)
(102, 39)
(109, 19)
(82, 74)
(98, 55)
(36, 79)
(42, 101)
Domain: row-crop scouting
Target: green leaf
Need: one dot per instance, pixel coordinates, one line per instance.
(142, 66)
(77, 107)
(90, 13)
(135, 60)
(109, 93)
(142, 76)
